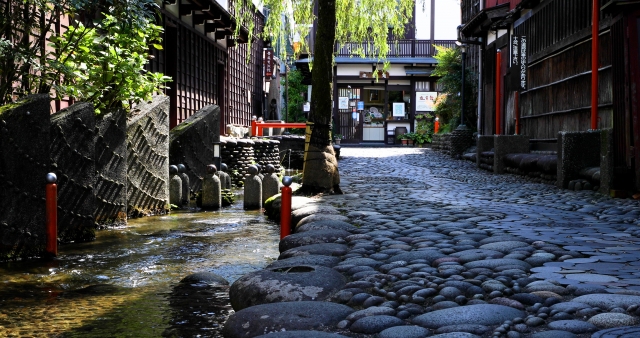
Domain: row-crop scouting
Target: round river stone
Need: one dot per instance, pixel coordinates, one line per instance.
(285, 284)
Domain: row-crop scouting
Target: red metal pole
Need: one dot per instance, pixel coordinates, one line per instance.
(285, 208)
(254, 128)
(436, 126)
(498, 96)
(517, 106)
(595, 62)
(51, 197)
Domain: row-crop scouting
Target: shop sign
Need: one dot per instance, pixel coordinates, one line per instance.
(370, 75)
(268, 63)
(398, 109)
(360, 105)
(343, 102)
(425, 101)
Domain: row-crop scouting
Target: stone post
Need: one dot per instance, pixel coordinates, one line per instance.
(211, 191)
(186, 187)
(252, 190)
(259, 171)
(225, 179)
(461, 139)
(175, 186)
(270, 184)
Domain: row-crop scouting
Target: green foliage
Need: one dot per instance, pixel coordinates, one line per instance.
(23, 61)
(448, 105)
(295, 99)
(106, 65)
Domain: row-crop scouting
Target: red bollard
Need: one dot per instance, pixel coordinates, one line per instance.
(285, 208)
(436, 126)
(51, 196)
(254, 127)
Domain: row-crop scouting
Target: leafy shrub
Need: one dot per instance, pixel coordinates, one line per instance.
(106, 64)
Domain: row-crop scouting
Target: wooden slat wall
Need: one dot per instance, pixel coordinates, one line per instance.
(622, 129)
(245, 77)
(558, 85)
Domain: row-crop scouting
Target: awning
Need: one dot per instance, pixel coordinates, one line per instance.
(483, 20)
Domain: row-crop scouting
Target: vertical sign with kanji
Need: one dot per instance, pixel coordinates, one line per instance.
(268, 64)
(523, 62)
(515, 51)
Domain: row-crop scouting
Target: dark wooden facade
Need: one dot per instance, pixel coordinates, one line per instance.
(208, 66)
(556, 95)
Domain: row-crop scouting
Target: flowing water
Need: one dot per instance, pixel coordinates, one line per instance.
(126, 282)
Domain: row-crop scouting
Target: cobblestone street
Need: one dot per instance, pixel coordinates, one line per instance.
(451, 234)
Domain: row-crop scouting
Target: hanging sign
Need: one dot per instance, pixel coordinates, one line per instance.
(523, 62)
(425, 101)
(360, 105)
(268, 63)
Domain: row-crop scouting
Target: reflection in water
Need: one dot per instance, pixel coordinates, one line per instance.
(121, 284)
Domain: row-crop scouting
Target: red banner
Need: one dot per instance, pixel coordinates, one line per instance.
(268, 63)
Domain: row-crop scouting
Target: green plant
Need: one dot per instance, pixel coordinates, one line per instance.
(294, 99)
(107, 65)
(337, 136)
(448, 104)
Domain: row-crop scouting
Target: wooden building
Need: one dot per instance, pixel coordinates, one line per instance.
(535, 71)
(370, 110)
(208, 65)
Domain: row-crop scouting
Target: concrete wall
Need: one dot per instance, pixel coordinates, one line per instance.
(148, 158)
(24, 163)
(485, 143)
(508, 144)
(191, 143)
(577, 150)
(73, 161)
(111, 165)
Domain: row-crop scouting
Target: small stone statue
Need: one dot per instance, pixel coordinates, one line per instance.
(225, 179)
(270, 184)
(175, 186)
(252, 190)
(186, 187)
(211, 191)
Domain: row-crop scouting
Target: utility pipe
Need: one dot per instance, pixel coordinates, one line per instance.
(498, 96)
(595, 61)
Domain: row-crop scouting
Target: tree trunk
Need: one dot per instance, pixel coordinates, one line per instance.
(320, 166)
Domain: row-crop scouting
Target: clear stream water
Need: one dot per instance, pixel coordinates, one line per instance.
(126, 282)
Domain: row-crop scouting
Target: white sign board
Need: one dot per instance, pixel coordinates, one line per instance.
(426, 101)
(398, 109)
(306, 107)
(343, 102)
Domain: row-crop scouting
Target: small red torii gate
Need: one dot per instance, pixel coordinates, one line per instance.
(256, 127)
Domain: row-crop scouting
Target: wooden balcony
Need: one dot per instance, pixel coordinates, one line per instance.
(403, 48)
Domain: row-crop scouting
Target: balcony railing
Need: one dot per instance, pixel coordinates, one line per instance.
(403, 48)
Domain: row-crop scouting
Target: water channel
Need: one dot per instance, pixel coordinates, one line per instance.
(126, 282)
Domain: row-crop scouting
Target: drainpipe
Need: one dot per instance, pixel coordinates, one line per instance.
(480, 90)
(595, 44)
(498, 85)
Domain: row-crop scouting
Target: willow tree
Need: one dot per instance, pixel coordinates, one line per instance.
(366, 22)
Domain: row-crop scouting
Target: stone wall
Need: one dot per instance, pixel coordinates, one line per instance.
(148, 158)
(291, 150)
(508, 144)
(441, 143)
(239, 154)
(576, 152)
(24, 163)
(191, 143)
(111, 166)
(73, 162)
